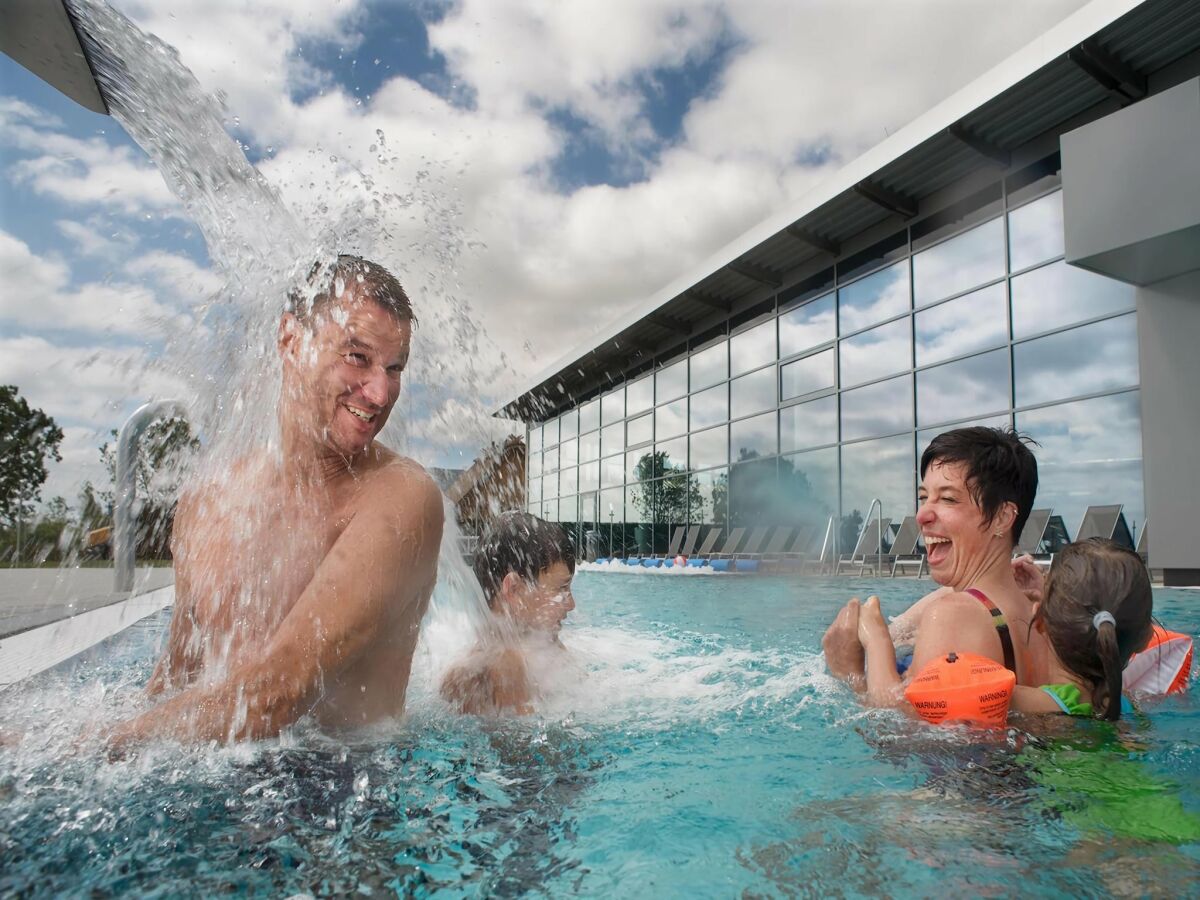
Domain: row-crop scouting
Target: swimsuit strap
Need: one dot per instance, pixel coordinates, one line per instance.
(1006, 644)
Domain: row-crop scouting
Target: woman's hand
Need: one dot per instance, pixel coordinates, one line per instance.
(872, 629)
(843, 650)
(1029, 578)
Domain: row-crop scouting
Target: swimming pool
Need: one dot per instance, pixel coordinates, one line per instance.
(694, 748)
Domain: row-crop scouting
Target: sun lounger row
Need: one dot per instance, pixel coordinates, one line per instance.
(765, 547)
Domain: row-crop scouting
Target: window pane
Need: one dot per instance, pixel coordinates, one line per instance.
(535, 464)
(612, 406)
(877, 409)
(962, 262)
(589, 446)
(671, 381)
(674, 454)
(568, 453)
(535, 438)
(612, 439)
(714, 495)
(809, 483)
(874, 298)
(640, 465)
(550, 433)
(612, 471)
(569, 426)
(568, 481)
(958, 390)
(1058, 294)
(1035, 232)
(754, 437)
(881, 351)
(710, 366)
(754, 392)
(568, 509)
(1090, 453)
(671, 419)
(807, 326)
(550, 485)
(710, 407)
(612, 512)
(709, 448)
(589, 476)
(804, 376)
(533, 490)
(973, 322)
(883, 469)
(808, 424)
(752, 348)
(589, 416)
(754, 492)
(639, 395)
(639, 431)
(550, 460)
(1097, 357)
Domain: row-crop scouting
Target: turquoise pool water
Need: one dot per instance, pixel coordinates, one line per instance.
(695, 748)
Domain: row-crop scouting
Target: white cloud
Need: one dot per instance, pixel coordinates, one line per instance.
(89, 240)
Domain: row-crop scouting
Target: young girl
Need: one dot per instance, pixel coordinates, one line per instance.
(1094, 609)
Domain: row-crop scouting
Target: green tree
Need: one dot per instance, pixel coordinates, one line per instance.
(664, 494)
(28, 437)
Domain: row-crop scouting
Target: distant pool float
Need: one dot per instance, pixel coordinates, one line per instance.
(1164, 667)
(962, 688)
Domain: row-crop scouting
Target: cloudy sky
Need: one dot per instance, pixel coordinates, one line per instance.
(586, 153)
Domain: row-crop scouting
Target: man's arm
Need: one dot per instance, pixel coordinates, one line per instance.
(385, 557)
(171, 669)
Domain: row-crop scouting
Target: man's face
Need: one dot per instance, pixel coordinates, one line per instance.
(345, 368)
(543, 604)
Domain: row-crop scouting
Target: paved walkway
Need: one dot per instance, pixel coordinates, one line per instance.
(33, 597)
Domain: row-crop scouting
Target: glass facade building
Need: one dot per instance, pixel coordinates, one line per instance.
(820, 399)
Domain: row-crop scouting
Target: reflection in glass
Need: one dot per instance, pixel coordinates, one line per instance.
(671, 381)
(1098, 357)
(612, 508)
(969, 387)
(924, 438)
(810, 483)
(1090, 453)
(568, 481)
(753, 392)
(568, 509)
(589, 476)
(752, 348)
(671, 419)
(714, 497)
(535, 464)
(962, 262)
(1058, 295)
(872, 354)
(754, 437)
(612, 406)
(639, 431)
(550, 485)
(710, 366)
(549, 510)
(668, 502)
(535, 438)
(568, 453)
(533, 489)
(589, 416)
(639, 395)
(874, 298)
(612, 471)
(754, 497)
(589, 446)
(612, 438)
(550, 460)
(709, 448)
(550, 433)
(710, 407)
(877, 409)
(639, 465)
(973, 322)
(674, 454)
(569, 424)
(1035, 232)
(804, 376)
(807, 326)
(810, 424)
(883, 469)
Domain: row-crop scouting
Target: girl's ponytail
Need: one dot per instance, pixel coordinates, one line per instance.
(1106, 691)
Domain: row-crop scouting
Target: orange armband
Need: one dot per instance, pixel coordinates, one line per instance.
(963, 688)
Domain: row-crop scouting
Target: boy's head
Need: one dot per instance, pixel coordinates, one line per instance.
(525, 565)
(1097, 613)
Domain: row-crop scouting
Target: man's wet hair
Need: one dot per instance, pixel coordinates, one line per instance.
(367, 279)
(1087, 578)
(521, 543)
(1000, 468)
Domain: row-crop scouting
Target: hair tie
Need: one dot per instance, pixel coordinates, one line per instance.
(1101, 617)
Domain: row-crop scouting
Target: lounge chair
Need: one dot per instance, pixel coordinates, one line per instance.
(1105, 522)
(868, 544)
(710, 541)
(904, 553)
(755, 543)
(730, 546)
(689, 544)
(676, 541)
(1143, 542)
(826, 558)
(772, 557)
(1030, 541)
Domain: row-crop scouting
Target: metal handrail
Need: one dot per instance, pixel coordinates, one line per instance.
(124, 531)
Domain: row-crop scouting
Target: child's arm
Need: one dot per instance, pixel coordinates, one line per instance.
(497, 683)
(883, 681)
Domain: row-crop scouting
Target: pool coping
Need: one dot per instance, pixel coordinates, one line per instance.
(38, 649)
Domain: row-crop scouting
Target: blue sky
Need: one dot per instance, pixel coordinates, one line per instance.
(576, 155)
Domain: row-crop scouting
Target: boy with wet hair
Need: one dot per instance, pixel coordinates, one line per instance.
(525, 566)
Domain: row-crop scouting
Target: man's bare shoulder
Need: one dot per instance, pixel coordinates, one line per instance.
(394, 478)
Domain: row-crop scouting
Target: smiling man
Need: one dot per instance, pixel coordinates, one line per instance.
(302, 573)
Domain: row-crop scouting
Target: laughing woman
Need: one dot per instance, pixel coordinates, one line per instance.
(977, 489)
